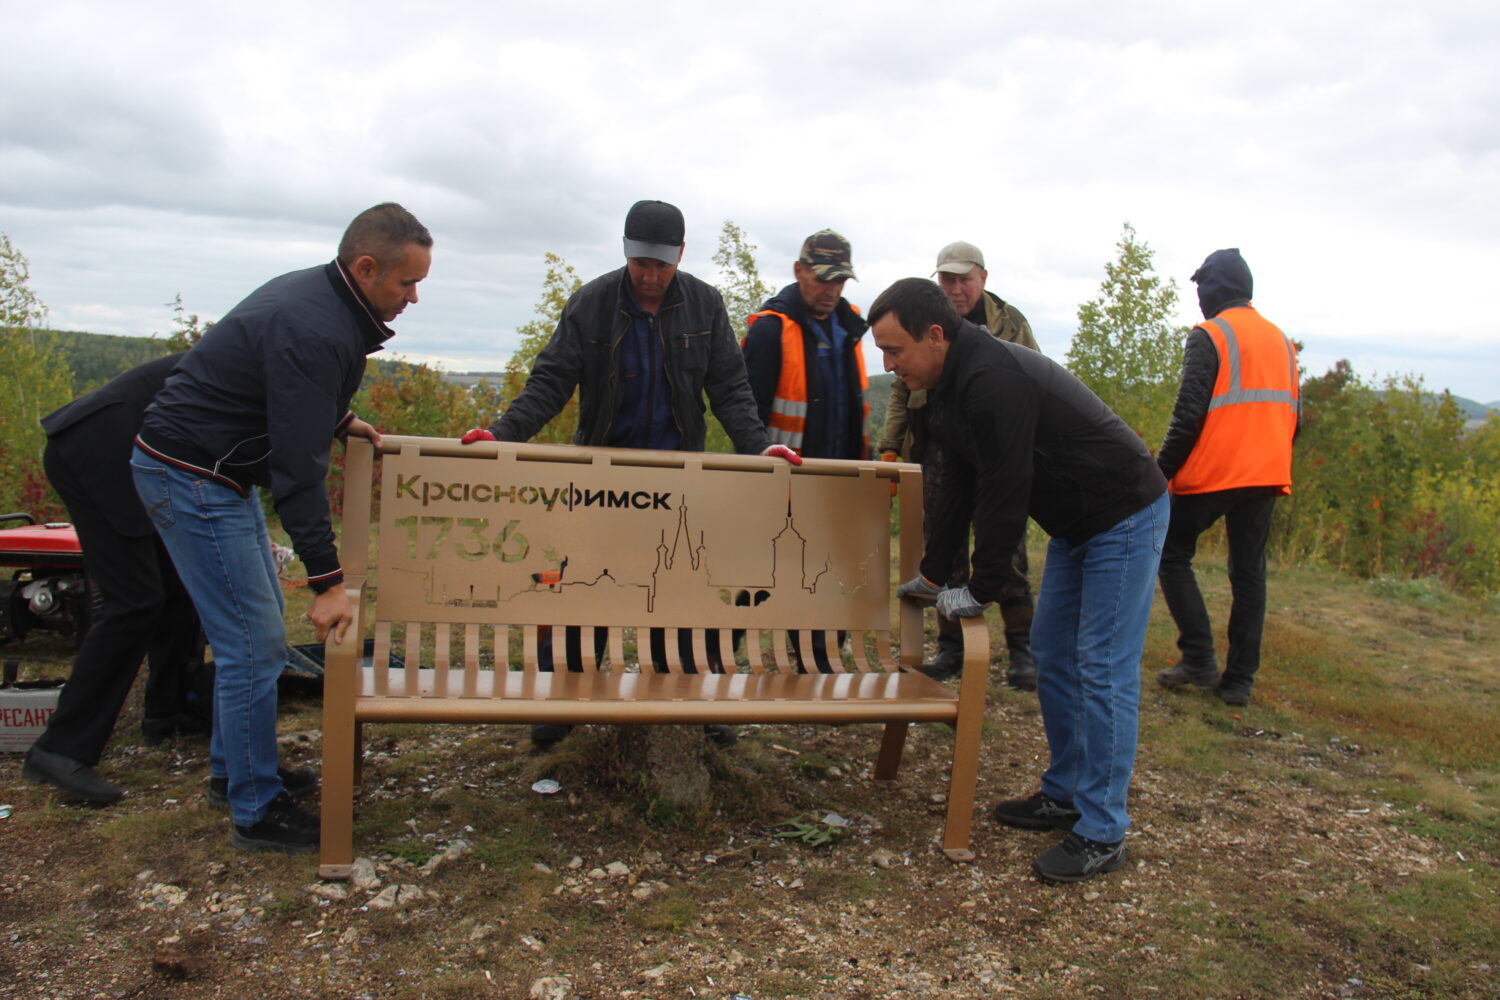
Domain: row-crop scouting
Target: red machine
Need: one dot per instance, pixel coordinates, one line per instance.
(47, 589)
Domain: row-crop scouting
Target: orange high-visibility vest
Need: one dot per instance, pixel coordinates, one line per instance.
(1252, 415)
(788, 419)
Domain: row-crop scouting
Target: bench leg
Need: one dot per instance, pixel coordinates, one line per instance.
(891, 745)
(966, 735)
(340, 765)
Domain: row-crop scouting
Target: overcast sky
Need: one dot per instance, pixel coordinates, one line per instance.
(1350, 149)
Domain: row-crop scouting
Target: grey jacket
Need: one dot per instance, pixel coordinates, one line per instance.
(699, 351)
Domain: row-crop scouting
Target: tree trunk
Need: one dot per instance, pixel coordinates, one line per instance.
(672, 762)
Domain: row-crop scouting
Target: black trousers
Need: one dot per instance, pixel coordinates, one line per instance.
(140, 610)
(1247, 524)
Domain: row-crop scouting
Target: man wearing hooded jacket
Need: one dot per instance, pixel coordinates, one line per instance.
(1227, 453)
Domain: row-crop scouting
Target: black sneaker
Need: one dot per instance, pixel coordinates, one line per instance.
(1037, 812)
(721, 735)
(285, 828)
(1078, 858)
(295, 782)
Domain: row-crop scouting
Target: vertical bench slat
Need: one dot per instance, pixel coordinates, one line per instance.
(700, 650)
(529, 644)
(669, 642)
(586, 650)
(779, 639)
(884, 655)
(752, 651)
(382, 658)
(617, 650)
(442, 636)
(831, 650)
(471, 660)
(857, 642)
(413, 659)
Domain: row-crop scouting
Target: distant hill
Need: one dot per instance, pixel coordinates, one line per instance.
(1475, 411)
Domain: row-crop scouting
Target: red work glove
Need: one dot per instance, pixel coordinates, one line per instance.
(477, 434)
(889, 456)
(782, 451)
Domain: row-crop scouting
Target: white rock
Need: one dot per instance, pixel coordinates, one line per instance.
(162, 896)
(597, 873)
(642, 892)
(575, 862)
(363, 875)
(551, 988)
(396, 897)
(883, 858)
(329, 890)
(618, 869)
(658, 972)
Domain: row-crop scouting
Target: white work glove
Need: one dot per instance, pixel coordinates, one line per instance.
(919, 587)
(957, 602)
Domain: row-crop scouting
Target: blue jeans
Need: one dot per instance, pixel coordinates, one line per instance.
(218, 542)
(1087, 638)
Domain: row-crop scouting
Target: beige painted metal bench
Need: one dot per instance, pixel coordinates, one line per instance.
(484, 550)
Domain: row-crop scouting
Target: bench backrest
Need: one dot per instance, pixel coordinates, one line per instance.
(515, 536)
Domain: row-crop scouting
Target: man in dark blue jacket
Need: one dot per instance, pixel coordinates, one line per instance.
(257, 403)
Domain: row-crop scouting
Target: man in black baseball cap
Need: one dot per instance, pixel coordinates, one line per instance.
(669, 343)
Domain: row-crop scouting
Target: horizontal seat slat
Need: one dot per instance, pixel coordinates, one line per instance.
(527, 696)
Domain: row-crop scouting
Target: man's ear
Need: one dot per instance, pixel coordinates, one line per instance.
(936, 331)
(365, 268)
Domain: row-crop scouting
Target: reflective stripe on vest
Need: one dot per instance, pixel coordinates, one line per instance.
(1246, 438)
(787, 422)
(1235, 393)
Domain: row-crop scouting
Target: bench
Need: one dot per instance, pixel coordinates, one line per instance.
(482, 551)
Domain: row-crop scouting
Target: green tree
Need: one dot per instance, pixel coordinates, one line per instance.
(559, 284)
(37, 380)
(1126, 349)
(744, 291)
(187, 328)
(740, 282)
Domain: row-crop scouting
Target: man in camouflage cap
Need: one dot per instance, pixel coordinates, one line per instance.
(802, 351)
(960, 272)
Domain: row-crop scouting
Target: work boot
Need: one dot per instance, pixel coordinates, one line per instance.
(1021, 674)
(75, 779)
(949, 661)
(1204, 677)
(1233, 694)
(546, 735)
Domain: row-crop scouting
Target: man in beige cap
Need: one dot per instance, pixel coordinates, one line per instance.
(961, 273)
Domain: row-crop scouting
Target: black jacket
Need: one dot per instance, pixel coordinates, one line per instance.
(1022, 436)
(258, 401)
(763, 362)
(93, 435)
(699, 353)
